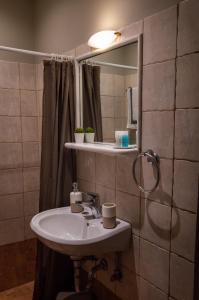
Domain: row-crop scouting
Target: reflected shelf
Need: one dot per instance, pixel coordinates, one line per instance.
(106, 148)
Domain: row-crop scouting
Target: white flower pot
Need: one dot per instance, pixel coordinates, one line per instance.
(89, 137)
(79, 138)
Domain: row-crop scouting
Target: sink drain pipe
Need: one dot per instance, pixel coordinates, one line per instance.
(77, 262)
(101, 264)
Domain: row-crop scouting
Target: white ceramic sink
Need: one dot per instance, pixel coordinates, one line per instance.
(73, 235)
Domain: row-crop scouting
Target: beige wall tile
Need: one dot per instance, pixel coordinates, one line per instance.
(160, 32)
(150, 292)
(39, 76)
(131, 79)
(31, 154)
(105, 194)
(86, 186)
(108, 128)
(185, 191)
(131, 30)
(107, 106)
(155, 223)
(27, 76)
(120, 123)
(188, 27)
(9, 75)
(154, 265)
(31, 203)
(181, 278)
(124, 177)
(163, 193)
(11, 155)
(28, 233)
(119, 85)
(159, 86)
(128, 209)
(86, 165)
(105, 170)
(39, 95)
(187, 89)
(31, 179)
(39, 128)
(186, 134)
(183, 233)
(9, 102)
(29, 103)
(30, 129)
(131, 257)
(11, 206)
(120, 104)
(157, 132)
(11, 181)
(10, 129)
(106, 84)
(11, 231)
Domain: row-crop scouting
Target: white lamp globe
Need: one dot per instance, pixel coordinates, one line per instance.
(102, 39)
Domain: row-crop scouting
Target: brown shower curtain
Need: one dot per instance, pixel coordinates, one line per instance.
(54, 271)
(92, 116)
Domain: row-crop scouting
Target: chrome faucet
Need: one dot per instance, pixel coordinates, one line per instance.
(92, 201)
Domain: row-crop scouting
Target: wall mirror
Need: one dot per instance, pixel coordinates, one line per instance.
(110, 91)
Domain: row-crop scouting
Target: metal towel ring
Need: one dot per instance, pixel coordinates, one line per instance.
(152, 158)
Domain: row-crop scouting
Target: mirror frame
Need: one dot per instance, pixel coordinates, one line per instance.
(78, 79)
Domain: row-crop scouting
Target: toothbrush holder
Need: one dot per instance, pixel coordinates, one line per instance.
(109, 215)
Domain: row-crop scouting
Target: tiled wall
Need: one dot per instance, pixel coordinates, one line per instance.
(20, 133)
(160, 263)
(114, 102)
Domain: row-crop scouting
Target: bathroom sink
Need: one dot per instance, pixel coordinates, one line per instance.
(72, 234)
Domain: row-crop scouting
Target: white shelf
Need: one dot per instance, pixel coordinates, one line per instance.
(100, 148)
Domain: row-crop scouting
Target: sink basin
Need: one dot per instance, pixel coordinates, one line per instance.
(72, 234)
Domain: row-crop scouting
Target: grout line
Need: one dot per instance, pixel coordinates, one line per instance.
(174, 207)
(173, 160)
(187, 54)
(183, 257)
(153, 285)
(159, 62)
(170, 110)
(171, 59)
(166, 250)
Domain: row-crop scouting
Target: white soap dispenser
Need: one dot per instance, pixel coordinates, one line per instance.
(76, 199)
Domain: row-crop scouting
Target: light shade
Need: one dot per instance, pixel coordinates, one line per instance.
(103, 39)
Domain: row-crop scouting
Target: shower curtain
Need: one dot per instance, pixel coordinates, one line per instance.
(92, 116)
(54, 271)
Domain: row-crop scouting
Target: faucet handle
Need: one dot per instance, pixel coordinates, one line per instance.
(91, 197)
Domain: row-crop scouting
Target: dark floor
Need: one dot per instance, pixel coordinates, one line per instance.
(22, 292)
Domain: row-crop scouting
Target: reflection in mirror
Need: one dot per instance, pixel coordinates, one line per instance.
(110, 92)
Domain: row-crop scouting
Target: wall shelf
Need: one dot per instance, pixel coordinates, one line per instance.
(100, 148)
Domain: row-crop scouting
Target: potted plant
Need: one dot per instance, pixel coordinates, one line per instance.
(79, 135)
(89, 135)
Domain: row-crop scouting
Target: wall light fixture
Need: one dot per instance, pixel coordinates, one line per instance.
(103, 39)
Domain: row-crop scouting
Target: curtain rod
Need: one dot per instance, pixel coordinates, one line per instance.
(29, 52)
(110, 64)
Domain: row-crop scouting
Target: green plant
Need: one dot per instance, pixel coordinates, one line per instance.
(89, 130)
(79, 130)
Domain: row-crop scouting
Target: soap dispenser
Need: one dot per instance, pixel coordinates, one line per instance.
(76, 199)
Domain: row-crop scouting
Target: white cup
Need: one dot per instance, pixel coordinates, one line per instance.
(109, 215)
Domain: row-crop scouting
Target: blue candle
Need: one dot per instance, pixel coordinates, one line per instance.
(125, 139)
